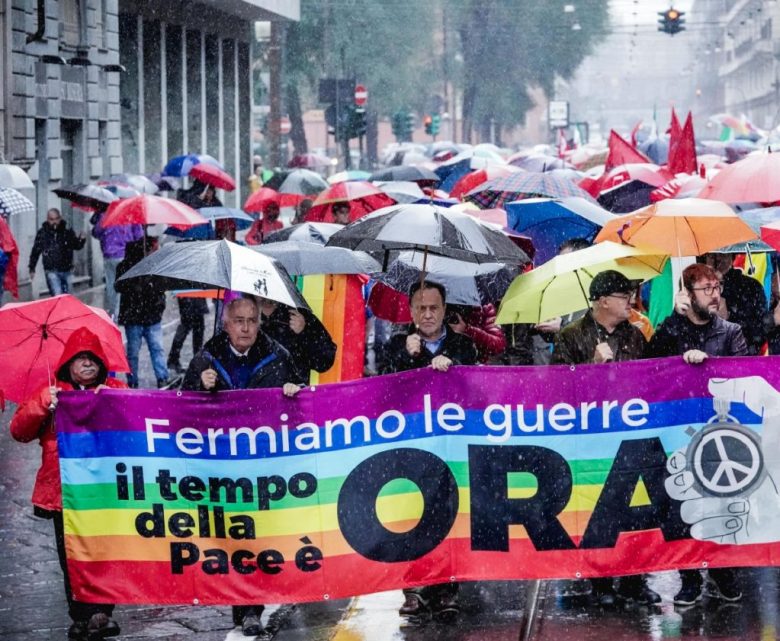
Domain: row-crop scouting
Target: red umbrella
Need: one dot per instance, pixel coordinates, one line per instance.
(770, 234)
(309, 161)
(259, 200)
(362, 197)
(214, 176)
(33, 335)
(388, 304)
(151, 210)
(643, 172)
(476, 178)
(751, 180)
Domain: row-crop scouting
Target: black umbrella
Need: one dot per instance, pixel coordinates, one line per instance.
(301, 258)
(431, 229)
(411, 173)
(466, 283)
(90, 196)
(628, 197)
(218, 264)
(301, 182)
(305, 232)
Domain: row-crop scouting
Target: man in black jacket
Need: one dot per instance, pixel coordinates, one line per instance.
(301, 333)
(56, 242)
(430, 343)
(141, 306)
(697, 332)
(243, 357)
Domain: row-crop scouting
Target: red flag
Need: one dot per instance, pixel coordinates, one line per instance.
(621, 152)
(634, 132)
(682, 157)
(674, 132)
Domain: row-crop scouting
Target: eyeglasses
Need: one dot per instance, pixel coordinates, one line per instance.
(624, 297)
(708, 290)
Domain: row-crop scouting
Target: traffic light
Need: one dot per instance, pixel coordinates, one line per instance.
(671, 21)
(357, 123)
(428, 122)
(435, 124)
(403, 122)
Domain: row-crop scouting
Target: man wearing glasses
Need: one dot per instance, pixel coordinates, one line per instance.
(604, 333)
(695, 329)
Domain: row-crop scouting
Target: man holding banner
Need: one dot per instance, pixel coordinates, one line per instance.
(430, 344)
(243, 357)
(696, 331)
(604, 335)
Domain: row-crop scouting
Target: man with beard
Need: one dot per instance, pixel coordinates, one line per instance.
(696, 331)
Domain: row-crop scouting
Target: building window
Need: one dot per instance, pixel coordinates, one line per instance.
(70, 22)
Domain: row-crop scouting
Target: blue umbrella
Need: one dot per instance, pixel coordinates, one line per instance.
(455, 168)
(243, 220)
(181, 165)
(656, 149)
(549, 222)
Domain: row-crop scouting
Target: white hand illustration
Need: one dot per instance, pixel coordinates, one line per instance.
(750, 513)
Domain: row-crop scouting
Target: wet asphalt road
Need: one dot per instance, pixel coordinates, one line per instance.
(32, 603)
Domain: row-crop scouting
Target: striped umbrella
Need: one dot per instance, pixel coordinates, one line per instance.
(495, 193)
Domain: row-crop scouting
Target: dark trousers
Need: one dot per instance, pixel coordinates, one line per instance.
(191, 314)
(725, 576)
(78, 610)
(240, 611)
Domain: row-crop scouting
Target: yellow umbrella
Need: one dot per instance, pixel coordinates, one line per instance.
(685, 227)
(561, 285)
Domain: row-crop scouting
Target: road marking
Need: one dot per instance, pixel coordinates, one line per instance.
(372, 617)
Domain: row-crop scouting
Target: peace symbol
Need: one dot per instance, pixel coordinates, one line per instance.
(726, 460)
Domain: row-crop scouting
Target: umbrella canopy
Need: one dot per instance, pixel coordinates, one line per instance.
(406, 173)
(452, 170)
(469, 284)
(259, 200)
(688, 227)
(300, 182)
(208, 264)
(430, 228)
(318, 233)
(309, 161)
(770, 234)
(362, 197)
(13, 203)
(752, 179)
(219, 213)
(647, 173)
(682, 186)
(349, 174)
(300, 258)
(33, 335)
(214, 176)
(142, 184)
(182, 165)
(151, 210)
(539, 163)
(122, 191)
(494, 193)
(88, 197)
(474, 179)
(14, 177)
(402, 191)
(561, 285)
(549, 222)
(627, 197)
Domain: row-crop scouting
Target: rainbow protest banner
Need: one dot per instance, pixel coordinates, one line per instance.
(337, 300)
(420, 478)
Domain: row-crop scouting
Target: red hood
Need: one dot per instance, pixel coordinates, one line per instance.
(82, 340)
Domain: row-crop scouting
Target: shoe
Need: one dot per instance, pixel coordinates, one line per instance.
(101, 626)
(251, 625)
(688, 595)
(725, 590)
(604, 599)
(78, 631)
(163, 383)
(644, 595)
(176, 368)
(414, 606)
(446, 608)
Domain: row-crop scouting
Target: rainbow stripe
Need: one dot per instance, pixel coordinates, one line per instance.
(337, 300)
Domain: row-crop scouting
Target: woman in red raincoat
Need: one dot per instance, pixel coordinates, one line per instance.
(82, 366)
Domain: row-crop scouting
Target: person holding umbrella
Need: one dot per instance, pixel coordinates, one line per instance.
(604, 335)
(429, 344)
(81, 367)
(56, 242)
(268, 224)
(243, 357)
